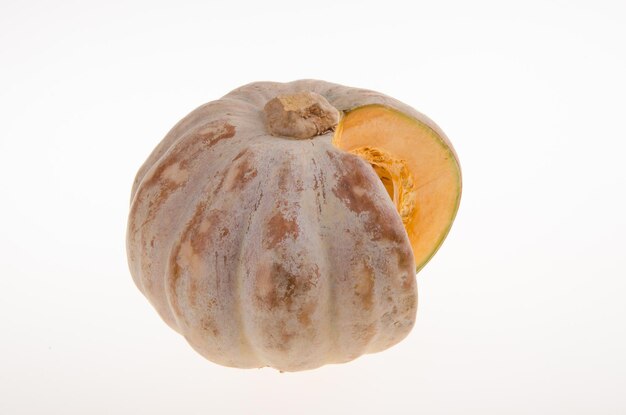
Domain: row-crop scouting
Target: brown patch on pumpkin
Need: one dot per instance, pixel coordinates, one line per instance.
(186, 151)
(215, 132)
(205, 227)
(243, 172)
(278, 287)
(364, 286)
(278, 229)
(197, 231)
(287, 180)
(222, 176)
(208, 325)
(173, 273)
(187, 250)
(176, 174)
(304, 314)
(354, 189)
(189, 258)
(171, 172)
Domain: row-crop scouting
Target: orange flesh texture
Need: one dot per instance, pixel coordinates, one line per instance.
(417, 167)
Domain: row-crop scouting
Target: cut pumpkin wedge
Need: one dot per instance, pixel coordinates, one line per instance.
(416, 165)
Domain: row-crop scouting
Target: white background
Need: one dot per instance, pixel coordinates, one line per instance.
(523, 310)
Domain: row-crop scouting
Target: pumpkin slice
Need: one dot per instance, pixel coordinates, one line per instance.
(417, 167)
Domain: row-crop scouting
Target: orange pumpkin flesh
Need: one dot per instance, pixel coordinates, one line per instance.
(417, 167)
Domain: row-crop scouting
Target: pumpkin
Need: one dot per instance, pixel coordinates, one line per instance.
(283, 224)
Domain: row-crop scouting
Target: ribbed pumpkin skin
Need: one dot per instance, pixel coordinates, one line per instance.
(270, 251)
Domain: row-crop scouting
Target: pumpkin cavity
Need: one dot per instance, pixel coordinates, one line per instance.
(396, 178)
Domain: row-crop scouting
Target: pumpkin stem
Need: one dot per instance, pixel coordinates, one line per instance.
(301, 115)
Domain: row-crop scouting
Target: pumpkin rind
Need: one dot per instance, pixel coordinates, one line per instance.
(270, 251)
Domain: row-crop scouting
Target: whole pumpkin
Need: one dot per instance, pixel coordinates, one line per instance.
(283, 225)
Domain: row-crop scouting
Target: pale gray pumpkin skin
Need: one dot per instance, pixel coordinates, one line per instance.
(270, 251)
